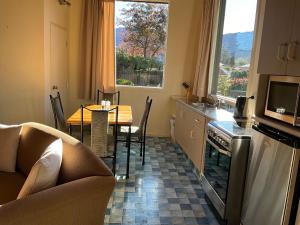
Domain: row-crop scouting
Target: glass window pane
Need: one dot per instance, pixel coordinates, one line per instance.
(236, 48)
(141, 31)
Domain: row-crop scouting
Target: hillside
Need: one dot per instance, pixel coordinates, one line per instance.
(119, 32)
(238, 44)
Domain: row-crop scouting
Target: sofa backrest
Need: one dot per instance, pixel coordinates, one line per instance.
(78, 160)
(33, 142)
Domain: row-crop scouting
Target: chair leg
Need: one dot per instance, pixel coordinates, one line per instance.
(127, 141)
(114, 164)
(144, 146)
(70, 129)
(128, 153)
(115, 150)
(141, 149)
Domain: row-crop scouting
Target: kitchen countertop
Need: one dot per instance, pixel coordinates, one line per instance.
(212, 113)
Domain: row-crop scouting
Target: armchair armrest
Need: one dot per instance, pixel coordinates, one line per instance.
(82, 201)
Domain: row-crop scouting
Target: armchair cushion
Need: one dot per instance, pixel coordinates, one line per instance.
(11, 184)
(9, 139)
(44, 173)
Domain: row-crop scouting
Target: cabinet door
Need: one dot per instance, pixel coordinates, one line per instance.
(277, 29)
(293, 66)
(196, 137)
(180, 125)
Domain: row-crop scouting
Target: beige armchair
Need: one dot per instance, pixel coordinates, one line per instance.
(84, 187)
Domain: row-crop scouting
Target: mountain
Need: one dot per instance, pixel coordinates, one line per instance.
(238, 44)
(119, 31)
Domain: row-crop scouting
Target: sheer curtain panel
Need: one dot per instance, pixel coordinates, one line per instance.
(209, 16)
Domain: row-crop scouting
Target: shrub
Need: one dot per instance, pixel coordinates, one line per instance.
(121, 81)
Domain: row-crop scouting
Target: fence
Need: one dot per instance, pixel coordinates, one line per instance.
(236, 93)
(142, 78)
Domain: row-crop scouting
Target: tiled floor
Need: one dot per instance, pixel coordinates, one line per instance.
(164, 191)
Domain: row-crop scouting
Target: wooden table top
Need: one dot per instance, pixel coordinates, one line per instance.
(124, 118)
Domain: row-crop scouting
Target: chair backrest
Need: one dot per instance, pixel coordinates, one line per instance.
(58, 112)
(144, 120)
(99, 133)
(100, 129)
(112, 96)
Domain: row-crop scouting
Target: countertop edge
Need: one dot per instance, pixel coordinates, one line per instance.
(210, 115)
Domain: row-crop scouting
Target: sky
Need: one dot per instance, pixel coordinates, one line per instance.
(118, 6)
(239, 16)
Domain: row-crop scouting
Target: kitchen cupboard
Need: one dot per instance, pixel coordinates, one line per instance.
(280, 42)
(190, 132)
(293, 67)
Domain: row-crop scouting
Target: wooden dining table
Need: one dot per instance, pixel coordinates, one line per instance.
(124, 119)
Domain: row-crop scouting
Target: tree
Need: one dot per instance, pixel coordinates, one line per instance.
(145, 28)
(224, 85)
(239, 74)
(225, 56)
(232, 61)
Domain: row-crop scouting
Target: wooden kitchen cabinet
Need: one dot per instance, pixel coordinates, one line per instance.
(180, 126)
(280, 42)
(293, 66)
(189, 133)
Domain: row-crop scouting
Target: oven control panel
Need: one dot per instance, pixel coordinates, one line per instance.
(219, 138)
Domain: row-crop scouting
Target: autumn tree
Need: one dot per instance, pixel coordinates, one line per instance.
(145, 29)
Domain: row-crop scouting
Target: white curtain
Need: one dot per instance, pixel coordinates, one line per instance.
(209, 15)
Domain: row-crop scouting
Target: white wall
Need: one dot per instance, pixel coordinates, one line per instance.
(21, 61)
(54, 15)
(74, 43)
(253, 76)
(24, 58)
(180, 64)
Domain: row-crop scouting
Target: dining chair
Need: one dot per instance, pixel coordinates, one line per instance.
(103, 142)
(138, 133)
(112, 96)
(58, 113)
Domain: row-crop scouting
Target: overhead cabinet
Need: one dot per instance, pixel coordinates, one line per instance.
(280, 42)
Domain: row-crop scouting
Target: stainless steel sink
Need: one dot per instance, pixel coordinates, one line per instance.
(202, 105)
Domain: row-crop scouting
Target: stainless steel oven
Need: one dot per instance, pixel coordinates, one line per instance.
(225, 165)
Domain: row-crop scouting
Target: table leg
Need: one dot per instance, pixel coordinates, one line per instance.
(128, 152)
(70, 129)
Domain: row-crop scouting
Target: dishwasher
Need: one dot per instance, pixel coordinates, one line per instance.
(272, 184)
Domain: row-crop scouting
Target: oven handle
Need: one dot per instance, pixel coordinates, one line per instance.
(224, 152)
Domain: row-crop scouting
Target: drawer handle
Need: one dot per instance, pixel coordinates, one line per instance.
(197, 120)
(281, 52)
(291, 54)
(224, 152)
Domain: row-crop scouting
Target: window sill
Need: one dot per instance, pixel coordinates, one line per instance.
(137, 87)
(227, 100)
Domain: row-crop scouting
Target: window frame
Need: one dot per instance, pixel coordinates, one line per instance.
(167, 2)
(216, 56)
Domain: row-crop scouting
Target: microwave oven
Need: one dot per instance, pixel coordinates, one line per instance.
(282, 101)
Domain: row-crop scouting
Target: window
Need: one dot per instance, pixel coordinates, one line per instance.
(141, 31)
(233, 48)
